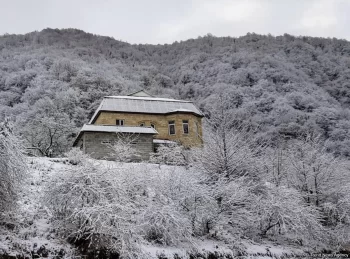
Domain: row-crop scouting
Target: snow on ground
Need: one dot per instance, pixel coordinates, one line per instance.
(33, 228)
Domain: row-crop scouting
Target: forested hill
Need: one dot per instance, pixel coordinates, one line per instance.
(284, 85)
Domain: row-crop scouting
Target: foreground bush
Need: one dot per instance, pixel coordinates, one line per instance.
(90, 206)
(12, 167)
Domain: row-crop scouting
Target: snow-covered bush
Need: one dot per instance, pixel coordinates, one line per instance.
(170, 154)
(192, 197)
(13, 166)
(235, 201)
(123, 148)
(90, 204)
(336, 216)
(75, 156)
(282, 211)
(164, 224)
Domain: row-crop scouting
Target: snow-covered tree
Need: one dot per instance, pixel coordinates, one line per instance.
(229, 152)
(282, 211)
(123, 148)
(13, 166)
(235, 199)
(317, 174)
(170, 154)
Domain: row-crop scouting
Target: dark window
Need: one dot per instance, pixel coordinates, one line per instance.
(142, 124)
(153, 126)
(171, 127)
(119, 122)
(185, 126)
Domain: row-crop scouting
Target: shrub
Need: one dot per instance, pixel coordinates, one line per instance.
(282, 211)
(13, 167)
(171, 154)
(123, 148)
(75, 156)
(90, 206)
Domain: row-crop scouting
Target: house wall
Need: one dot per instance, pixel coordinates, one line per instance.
(194, 138)
(92, 144)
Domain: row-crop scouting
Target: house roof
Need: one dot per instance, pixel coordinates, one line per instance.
(118, 129)
(163, 141)
(141, 93)
(113, 128)
(151, 105)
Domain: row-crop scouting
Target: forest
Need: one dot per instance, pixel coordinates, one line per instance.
(282, 86)
(274, 166)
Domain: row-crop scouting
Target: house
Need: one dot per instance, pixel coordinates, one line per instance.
(153, 120)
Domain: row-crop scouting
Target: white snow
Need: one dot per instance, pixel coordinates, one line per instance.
(147, 98)
(35, 219)
(119, 129)
(163, 141)
(34, 225)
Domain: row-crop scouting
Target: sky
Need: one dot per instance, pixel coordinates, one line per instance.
(166, 21)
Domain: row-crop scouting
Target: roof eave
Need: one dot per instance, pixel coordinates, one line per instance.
(93, 120)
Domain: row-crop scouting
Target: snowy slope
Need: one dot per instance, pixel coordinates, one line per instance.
(31, 221)
(30, 232)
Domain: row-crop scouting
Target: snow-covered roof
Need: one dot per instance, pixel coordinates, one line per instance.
(146, 98)
(141, 93)
(151, 105)
(163, 141)
(119, 129)
(114, 128)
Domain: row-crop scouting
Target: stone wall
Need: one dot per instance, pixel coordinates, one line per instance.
(95, 144)
(193, 138)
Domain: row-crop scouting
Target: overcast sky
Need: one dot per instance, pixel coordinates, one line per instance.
(166, 21)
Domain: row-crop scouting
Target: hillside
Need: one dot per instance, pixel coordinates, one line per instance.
(281, 86)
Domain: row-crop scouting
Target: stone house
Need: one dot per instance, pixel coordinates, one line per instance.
(155, 121)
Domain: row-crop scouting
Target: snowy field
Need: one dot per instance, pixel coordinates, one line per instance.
(31, 231)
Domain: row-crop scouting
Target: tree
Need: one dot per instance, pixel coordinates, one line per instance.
(13, 166)
(230, 147)
(47, 127)
(282, 211)
(313, 171)
(320, 179)
(235, 201)
(49, 135)
(170, 154)
(123, 148)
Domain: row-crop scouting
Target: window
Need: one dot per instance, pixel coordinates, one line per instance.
(106, 142)
(119, 122)
(142, 124)
(153, 125)
(171, 127)
(185, 126)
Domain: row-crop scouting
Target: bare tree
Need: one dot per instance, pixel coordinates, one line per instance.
(124, 147)
(49, 135)
(230, 147)
(313, 171)
(282, 211)
(229, 152)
